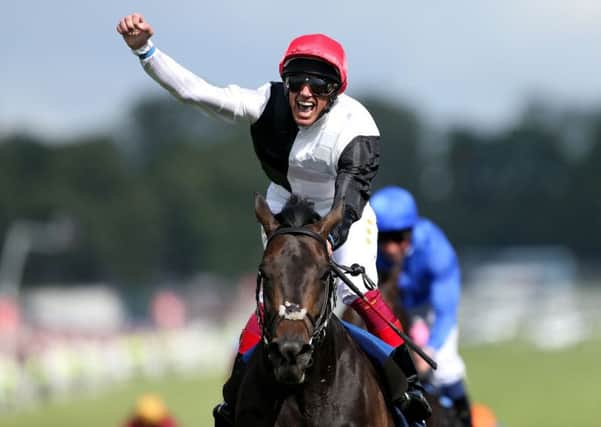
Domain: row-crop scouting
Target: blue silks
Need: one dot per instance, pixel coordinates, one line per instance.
(374, 347)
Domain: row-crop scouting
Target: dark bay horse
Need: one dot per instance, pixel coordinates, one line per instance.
(307, 371)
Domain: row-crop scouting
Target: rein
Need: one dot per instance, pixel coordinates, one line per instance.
(341, 271)
(320, 324)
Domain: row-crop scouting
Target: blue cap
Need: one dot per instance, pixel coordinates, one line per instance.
(395, 209)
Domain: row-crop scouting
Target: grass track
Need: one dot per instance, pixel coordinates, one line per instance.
(190, 399)
(524, 386)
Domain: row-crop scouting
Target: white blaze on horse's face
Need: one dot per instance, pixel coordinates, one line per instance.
(292, 311)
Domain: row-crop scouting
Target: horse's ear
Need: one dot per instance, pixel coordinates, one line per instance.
(325, 225)
(264, 215)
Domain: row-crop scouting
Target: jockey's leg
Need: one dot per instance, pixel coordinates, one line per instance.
(249, 338)
(251, 334)
(449, 377)
(413, 403)
(361, 247)
(461, 403)
(374, 323)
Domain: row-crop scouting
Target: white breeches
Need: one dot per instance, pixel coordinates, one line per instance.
(361, 247)
(450, 365)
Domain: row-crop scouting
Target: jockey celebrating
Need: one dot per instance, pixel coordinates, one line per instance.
(312, 140)
(429, 282)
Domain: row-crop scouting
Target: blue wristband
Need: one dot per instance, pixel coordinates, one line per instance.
(147, 54)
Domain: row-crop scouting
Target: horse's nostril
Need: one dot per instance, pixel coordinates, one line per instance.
(290, 350)
(306, 349)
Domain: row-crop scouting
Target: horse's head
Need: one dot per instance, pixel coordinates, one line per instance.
(297, 284)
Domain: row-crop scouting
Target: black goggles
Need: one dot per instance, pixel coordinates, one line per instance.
(396, 236)
(318, 85)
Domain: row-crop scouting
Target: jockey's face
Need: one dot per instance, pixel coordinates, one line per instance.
(306, 106)
(394, 246)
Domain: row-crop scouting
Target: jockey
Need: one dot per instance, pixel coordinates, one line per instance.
(313, 140)
(429, 282)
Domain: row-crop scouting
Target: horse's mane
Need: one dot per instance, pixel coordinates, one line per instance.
(297, 212)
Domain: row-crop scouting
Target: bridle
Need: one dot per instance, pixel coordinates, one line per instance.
(320, 324)
(334, 270)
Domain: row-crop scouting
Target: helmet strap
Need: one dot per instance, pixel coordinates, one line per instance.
(328, 107)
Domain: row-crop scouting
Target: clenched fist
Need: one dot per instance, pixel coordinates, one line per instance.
(135, 30)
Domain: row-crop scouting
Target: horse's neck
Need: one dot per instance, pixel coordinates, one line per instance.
(336, 387)
(327, 354)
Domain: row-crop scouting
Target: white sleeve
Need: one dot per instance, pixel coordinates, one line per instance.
(230, 103)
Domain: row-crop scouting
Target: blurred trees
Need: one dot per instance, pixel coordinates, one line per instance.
(533, 183)
(172, 193)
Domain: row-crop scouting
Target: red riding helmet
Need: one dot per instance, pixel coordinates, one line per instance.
(321, 47)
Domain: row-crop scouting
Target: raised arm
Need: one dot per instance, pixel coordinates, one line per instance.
(230, 103)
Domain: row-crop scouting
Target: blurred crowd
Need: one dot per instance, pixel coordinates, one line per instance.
(195, 331)
(52, 348)
(50, 364)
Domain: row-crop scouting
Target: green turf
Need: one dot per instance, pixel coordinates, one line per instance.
(524, 386)
(190, 399)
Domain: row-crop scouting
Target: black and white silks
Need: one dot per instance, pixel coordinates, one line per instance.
(334, 158)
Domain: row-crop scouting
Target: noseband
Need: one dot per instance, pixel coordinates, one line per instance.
(320, 324)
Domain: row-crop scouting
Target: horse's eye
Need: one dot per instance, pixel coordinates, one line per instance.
(266, 280)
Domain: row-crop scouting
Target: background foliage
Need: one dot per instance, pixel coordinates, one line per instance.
(170, 193)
